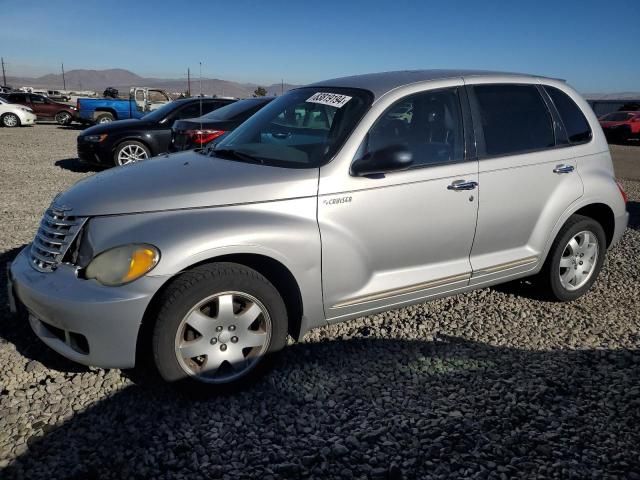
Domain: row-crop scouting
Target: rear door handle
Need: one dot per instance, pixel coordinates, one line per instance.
(459, 185)
(563, 169)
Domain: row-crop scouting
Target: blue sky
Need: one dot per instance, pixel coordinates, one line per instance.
(596, 48)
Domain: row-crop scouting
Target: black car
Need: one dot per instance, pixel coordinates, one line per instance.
(127, 141)
(198, 132)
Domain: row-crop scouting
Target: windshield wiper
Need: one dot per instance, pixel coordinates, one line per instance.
(235, 154)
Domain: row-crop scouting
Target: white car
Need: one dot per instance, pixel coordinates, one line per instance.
(14, 115)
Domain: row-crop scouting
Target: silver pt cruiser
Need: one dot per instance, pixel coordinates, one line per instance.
(338, 199)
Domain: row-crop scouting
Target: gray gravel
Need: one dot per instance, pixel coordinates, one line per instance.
(490, 384)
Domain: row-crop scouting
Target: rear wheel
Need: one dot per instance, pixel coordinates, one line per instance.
(10, 120)
(63, 118)
(105, 117)
(575, 259)
(217, 324)
(130, 152)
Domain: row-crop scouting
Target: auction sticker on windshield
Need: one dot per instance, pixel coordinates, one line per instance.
(331, 99)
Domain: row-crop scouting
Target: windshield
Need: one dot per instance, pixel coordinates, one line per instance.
(616, 117)
(302, 129)
(2, 100)
(160, 113)
(235, 109)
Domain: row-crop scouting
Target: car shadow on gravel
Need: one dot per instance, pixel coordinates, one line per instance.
(368, 408)
(76, 166)
(15, 329)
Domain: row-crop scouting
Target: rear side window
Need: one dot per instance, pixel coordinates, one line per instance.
(576, 125)
(514, 119)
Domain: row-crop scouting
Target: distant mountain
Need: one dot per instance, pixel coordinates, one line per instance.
(121, 79)
(613, 96)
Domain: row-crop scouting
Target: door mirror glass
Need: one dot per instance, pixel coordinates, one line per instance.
(387, 159)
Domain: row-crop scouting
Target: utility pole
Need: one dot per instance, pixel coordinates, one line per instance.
(188, 82)
(64, 82)
(4, 75)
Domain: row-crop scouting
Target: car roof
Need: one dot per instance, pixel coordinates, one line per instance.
(381, 83)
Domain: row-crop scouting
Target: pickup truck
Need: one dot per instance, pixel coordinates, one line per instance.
(104, 110)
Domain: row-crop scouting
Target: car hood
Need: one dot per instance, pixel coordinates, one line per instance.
(184, 180)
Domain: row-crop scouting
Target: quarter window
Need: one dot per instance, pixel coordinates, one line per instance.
(514, 119)
(429, 124)
(575, 123)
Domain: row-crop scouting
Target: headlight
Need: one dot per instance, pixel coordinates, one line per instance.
(25, 109)
(124, 264)
(95, 138)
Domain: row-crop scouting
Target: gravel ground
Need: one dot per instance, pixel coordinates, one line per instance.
(491, 384)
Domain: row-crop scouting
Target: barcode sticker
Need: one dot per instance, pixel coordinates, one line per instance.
(331, 99)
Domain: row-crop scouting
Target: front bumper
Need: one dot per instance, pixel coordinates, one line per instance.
(81, 319)
(27, 118)
(93, 153)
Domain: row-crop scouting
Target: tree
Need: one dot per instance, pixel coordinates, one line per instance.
(260, 92)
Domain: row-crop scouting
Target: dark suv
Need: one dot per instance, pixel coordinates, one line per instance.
(43, 107)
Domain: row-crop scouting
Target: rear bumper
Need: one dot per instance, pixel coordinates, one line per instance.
(80, 319)
(621, 225)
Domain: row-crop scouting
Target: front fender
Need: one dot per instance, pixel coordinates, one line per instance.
(285, 231)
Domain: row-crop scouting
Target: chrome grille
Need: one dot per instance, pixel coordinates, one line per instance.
(56, 233)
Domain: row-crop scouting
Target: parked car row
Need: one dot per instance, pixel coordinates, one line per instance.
(335, 200)
(179, 125)
(621, 126)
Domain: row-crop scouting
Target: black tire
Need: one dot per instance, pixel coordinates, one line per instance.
(549, 277)
(193, 287)
(105, 117)
(130, 145)
(10, 120)
(63, 118)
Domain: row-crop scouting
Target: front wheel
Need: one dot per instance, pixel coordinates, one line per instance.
(130, 152)
(217, 325)
(575, 259)
(63, 118)
(10, 120)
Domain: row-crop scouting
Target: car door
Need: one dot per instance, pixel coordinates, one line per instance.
(527, 178)
(41, 106)
(399, 237)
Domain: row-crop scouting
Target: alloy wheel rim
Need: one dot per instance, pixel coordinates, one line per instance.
(10, 120)
(578, 260)
(105, 120)
(63, 118)
(131, 154)
(223, 337)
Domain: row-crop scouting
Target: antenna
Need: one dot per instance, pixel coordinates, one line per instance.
(64, 82)
(188, 82)
(4, 75)
(282, 87)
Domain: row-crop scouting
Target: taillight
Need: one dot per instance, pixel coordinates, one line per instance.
(625, 198)
(202, 137)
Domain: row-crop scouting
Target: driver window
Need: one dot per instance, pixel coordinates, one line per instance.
(156, 96)
(37, 99)
(429, 124)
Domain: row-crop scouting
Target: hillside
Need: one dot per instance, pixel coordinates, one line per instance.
(122, 79)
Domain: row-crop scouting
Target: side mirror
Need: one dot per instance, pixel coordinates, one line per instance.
(378, 162)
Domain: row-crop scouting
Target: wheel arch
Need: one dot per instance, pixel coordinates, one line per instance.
(601, 213)
(273, 270)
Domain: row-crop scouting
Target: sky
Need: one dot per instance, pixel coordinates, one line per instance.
(595, 48)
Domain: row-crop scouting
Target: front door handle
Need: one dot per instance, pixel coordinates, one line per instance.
(563, 169)
(459, 185)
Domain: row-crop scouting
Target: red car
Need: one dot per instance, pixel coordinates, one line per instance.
(44, 107)
(621, 126)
